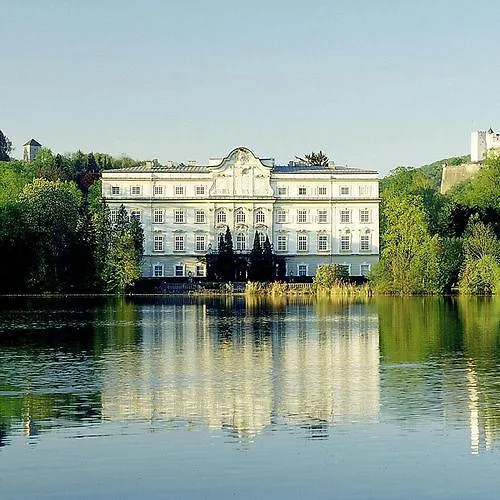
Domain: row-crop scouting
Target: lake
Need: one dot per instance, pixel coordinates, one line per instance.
(246, 398)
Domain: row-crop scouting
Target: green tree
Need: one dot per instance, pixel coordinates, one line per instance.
(314, 159)
(123, 266)
(268, 260)
(255, 271)
(5, 147)
(52, 209)
(119, 250)
(409, 258)
(329, 276)
(483, 190)
(480, 272)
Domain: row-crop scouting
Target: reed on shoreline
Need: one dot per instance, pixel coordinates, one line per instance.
(278, 289)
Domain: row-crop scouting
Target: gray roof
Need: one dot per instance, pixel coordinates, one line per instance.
(319, 169)
(148, 169)
(279, 169)
(32, 142)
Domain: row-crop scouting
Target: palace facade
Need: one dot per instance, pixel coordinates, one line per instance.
(312, 214)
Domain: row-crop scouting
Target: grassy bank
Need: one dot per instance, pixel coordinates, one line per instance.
(279, 289)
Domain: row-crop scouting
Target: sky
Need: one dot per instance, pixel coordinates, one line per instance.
(372, 83)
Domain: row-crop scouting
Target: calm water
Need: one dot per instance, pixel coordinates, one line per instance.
(184, 398)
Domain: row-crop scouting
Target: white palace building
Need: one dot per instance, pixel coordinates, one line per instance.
(312, 214)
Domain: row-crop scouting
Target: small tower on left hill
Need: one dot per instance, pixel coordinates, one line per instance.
(31, 149)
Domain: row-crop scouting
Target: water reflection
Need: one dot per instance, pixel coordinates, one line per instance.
(243, 369)
(251, 366)
(440, 359)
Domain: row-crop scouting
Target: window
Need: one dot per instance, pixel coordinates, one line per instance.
(282, 191)
(200, 190)
(282, 243)
(115, 190)
(158, 190)
(302, 270)
(136, 214)
(199, 216)
(301, 216)
(364, 269)
(322, 216)
(179, 216)
(240, 217)
(280, 216)
(221, 217)
(262, 239)
(158, 270)
(322, 242)
(302, 191)
(220, 238)
(179, 190)
(240, 242)
(260, 218)
(200, 270)
(345, 216)
(135, 190)
(364, 216)
(179, 270)
(345, 243)
(113, 215)
(200, 243)
(322, 191)
(179, 243)
(302, 243)
(158, 216)
(365, 190)
(364, 243)
(347, 268)
(344, 190)
(158, 243)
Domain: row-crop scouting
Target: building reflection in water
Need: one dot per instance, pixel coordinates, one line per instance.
(243, 369)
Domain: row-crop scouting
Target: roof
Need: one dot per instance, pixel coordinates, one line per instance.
(319, 169)
(278, 169)
(150, 169)
(32, 142)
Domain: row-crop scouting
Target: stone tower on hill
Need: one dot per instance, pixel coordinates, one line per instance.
(31, 149)
(482, 142)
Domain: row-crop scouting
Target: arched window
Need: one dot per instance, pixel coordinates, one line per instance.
(221, 217)
(240, 217)
(260, 218)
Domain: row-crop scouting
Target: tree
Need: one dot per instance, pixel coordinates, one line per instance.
(123, 266)
(255, 265)
(329, 276)
(409, 258)
(314, 159)
(47, 166)
(228, 242)
(5, 147)
(483, 190)
(480, 272)
(52, 209)
(268, 260)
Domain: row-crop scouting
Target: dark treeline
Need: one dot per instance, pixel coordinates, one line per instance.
(262, 264)
(56, 235)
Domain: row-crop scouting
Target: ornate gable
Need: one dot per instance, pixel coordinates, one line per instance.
(241, 174)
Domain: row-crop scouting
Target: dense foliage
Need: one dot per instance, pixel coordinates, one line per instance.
(56, 235)
(432, 242)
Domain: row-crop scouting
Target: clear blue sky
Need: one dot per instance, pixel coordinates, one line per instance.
(372, 83)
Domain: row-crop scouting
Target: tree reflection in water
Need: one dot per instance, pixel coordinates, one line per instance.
(250, 364)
